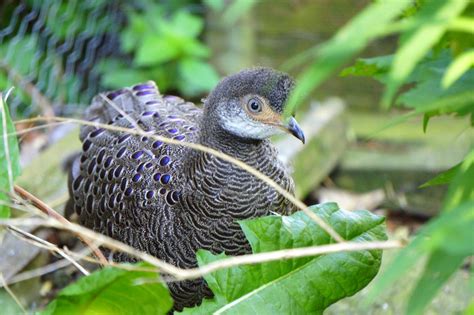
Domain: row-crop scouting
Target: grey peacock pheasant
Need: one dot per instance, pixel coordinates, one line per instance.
(170, 200)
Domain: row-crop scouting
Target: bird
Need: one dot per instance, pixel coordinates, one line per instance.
(171, 200)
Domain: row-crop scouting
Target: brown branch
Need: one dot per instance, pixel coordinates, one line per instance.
(38, 203)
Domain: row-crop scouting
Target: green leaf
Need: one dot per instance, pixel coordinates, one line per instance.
(295, 286)
(236, 10)
(113, 291)
(457, 68)
(348, 41)
(371, 67)
(419, 40)
(426, 95)
(155, 50)
(121, 77)
(450, 232)
(19, 54)
(186, 24)
(215, 5)
(444, 178)
(441, 265)
(133, 33)
(9, 156)
(196, 76)
(461, 188)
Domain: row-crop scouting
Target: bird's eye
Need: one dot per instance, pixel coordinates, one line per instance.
(254, 105)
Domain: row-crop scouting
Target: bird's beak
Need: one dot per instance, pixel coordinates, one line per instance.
(292, 127)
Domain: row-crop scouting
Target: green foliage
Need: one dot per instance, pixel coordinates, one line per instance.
(427, 27)
(314, 282)
(231, 12)
(113, 291)
(443, 178)
(427, 94)
(349, 40)
(448, 236)
(166, 48)
(75, 18)
(9, 167)
(433, 65)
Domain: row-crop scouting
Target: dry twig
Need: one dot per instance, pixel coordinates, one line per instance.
(53, 214)
(39, 242)
(11, 293)
(299, 204)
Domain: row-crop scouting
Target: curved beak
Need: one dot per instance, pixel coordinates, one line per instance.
(293, 128)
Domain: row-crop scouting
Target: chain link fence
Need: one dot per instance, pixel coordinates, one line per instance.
(49, 49)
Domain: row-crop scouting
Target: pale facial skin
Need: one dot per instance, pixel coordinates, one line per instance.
(254, 118)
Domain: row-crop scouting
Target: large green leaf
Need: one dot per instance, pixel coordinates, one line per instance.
(9, 165)
(295, 286)
(113, 291)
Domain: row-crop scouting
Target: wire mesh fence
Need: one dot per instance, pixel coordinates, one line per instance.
(49, 49)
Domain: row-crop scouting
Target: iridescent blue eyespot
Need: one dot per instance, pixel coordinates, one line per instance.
(139, 87)
(108, 162)
(123, 138)
(118, 171)
(121, 152)
(157, 144)
(142, 93)
(137, 155)
(156, 176)
(140, 167)
(149, 194)
(173, 130)
(136, 177)
(96, 132)
(86, 146)
(180, 137)
(165, 160)
(123, 184)
(165, 179)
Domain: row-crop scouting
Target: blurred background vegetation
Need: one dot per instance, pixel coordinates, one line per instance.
(71, 50)
(58, 54)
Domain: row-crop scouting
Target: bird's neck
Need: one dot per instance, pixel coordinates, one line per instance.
(214, 136)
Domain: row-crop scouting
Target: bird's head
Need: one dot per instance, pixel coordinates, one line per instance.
(250, 104)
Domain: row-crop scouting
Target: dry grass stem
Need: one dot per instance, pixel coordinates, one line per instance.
(38, 272)
(299, 204)
(10, 292)
(39, 242)
(6, 147)
(53, 214)
(183, 274)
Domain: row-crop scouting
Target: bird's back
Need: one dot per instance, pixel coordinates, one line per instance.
(120, 177)
(140, 190)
